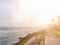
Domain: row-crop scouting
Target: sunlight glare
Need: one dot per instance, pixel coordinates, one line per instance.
(38, 12)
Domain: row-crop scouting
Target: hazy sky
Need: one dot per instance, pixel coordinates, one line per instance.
(7, 12)
(28, 12)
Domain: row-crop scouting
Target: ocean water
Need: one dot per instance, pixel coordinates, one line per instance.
(9, 36)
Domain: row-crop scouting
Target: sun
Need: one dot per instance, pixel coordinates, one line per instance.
(36, 13)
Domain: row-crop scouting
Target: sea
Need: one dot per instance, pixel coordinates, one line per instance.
(9, 36)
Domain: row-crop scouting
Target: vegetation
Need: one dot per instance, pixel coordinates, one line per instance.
(55, 29)
(29, 36)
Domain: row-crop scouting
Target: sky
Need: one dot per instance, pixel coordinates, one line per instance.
(7, 12)
(28, 13)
